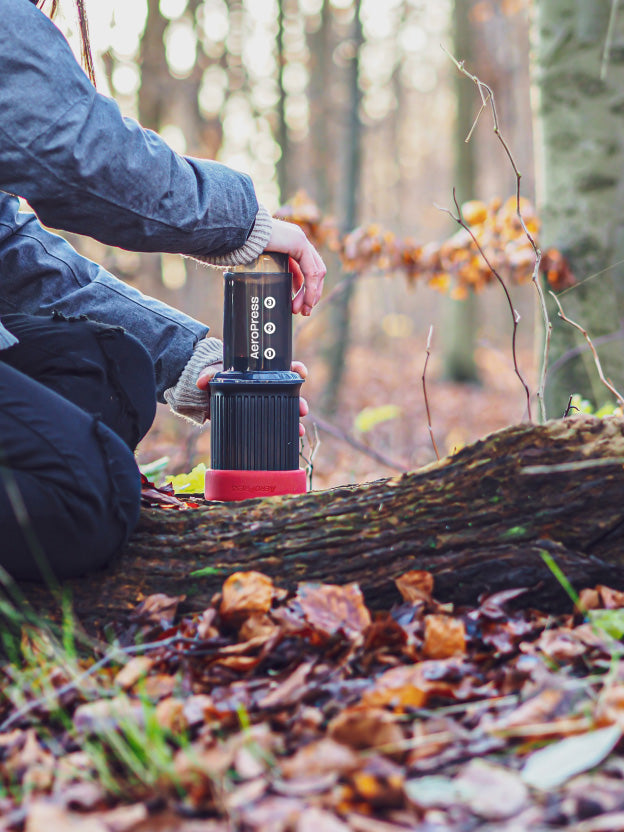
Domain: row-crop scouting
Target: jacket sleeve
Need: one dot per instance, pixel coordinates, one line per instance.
(41, 272)
(84, 168)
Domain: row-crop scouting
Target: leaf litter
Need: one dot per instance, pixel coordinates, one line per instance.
(272, 711)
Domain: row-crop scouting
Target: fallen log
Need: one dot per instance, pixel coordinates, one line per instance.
(479, 521)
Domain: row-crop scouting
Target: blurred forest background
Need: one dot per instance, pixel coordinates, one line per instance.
(356, 103)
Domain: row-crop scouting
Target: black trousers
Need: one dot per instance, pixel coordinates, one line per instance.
(75, 399)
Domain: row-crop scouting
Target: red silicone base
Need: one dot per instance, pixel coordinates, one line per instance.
(244, 485)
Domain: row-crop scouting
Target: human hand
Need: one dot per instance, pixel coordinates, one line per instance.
(207, 374)
(305, 263)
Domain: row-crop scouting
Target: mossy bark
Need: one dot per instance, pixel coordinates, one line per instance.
(479, 521)
(579, 119)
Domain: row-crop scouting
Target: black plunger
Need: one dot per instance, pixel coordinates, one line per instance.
(254, 402)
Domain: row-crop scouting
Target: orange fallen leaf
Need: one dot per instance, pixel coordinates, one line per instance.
(445, 636)
(245, 593)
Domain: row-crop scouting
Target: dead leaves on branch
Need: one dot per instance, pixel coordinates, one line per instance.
(454, 266)
(302, 711)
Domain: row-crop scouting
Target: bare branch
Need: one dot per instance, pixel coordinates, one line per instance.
(514, 315)
(424, 384)
(607, 383)
(487, 96)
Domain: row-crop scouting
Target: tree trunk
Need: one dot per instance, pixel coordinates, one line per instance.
(579, 116)
(479, 521)
(459, 334)
(340, 312)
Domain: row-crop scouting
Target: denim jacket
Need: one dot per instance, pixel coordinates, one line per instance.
(84, 168)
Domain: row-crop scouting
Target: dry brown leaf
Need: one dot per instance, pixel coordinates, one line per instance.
(326, 756)
(170, 715)
(610, 708)
(135, 669)
(444, 637)
(612, 599)
(380, 782)
(45, 816)
(366, 728)
(244, 593)
(416, 585)
(410, 686)
(158, 686)
(561, 644)
(539, 708)
(271, 813)
(291, 690)
(492, 792)
(257, 626)
(157, 609)
(330, 609)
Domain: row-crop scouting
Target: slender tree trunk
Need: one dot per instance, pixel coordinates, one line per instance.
(282, 130)
(350, 181)
(461, 317)
(579, 118)
(153, 93)
(319, 43)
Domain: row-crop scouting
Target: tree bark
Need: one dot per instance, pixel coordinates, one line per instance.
(479, 521)
(580, 152)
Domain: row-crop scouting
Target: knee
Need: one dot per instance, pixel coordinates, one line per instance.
(73, 527)
(131, 374)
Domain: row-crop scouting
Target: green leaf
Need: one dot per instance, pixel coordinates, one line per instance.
(609, 621)
(192, 483)
(371, 416)
(207, 570)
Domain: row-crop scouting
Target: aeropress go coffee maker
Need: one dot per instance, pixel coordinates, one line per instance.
(254, 402)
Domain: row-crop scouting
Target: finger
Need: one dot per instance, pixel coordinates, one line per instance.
(298, 284)
(314, 271)
(207, 374)
(301, 429)
(300, 368)
(303, 407)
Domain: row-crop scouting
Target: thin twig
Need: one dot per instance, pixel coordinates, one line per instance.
(606, 53)
(574, 352)
(487, 96)
(424, 384)
(309, 460)
(607, 383)
(359, 446)
(514, 315)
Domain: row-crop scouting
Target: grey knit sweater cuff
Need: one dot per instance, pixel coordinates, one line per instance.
(255, 244)
(186, 399)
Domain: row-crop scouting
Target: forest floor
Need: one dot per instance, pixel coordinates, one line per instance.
(302, 712)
